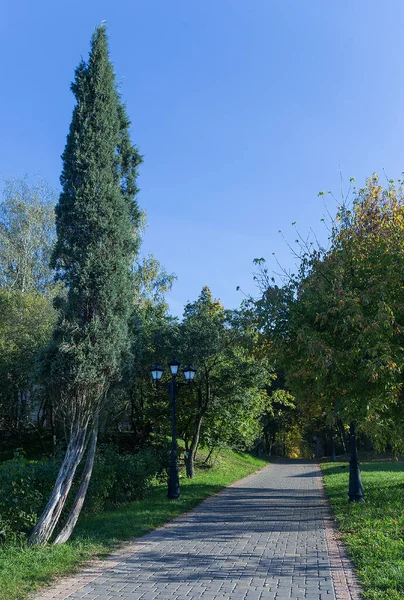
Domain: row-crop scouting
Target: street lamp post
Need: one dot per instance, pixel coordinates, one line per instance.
(355, 492)
(173, 385)
(173, 480)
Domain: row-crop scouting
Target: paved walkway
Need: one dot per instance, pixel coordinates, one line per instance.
(268, 537)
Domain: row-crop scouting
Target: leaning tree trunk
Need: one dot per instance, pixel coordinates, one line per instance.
(51, 514)
(209, 456)
(204, 403)
(82, 491)
(190, 462)
(196, 449)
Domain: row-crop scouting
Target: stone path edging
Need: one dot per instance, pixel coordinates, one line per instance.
(345, 581)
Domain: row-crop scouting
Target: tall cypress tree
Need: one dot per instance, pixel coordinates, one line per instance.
(97, 222)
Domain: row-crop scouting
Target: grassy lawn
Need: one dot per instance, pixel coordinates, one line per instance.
(25, 569)
(373, 532)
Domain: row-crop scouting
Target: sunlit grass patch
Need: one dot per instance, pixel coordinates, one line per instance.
(373, 532)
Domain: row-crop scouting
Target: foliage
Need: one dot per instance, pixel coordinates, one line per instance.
(230, 379)
(26, 321)
(97, 222)
(235, 420)
(373, 532)
(27, 235)
(151, 331)
(151, 283)
(337, 325)
(24, 487)
(119, 479)
(278, 422)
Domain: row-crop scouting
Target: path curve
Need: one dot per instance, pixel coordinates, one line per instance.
(269, 536)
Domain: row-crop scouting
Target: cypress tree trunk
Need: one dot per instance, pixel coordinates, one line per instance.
(82, 491)
(47, 522)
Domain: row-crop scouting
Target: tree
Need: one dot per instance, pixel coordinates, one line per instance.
(97, 223)
(151, 284)
(152, 331)
(27, 235)
(230, 381)
(337, 325)
(235, 420)
(26, 322)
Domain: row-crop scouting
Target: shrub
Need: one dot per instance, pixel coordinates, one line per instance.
(118, 479)
(24, 489)
(25, 486)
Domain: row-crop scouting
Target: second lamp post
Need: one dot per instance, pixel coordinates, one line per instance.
(189, 374)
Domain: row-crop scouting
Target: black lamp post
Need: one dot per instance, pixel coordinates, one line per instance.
(189, 374)
(355, 492)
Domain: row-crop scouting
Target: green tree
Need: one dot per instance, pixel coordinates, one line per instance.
(27, 235)
(337, 326)
(230, 381)
(152, 331)
(26, 322)
(151, 284)
(97, 224)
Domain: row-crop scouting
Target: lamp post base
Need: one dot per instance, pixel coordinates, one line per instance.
(173, 484)
(355, 491)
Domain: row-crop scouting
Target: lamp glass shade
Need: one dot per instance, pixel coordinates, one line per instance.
(174, 366)
(157, 372)
(189, 373)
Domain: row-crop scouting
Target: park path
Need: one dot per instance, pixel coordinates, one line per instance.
(267, 537)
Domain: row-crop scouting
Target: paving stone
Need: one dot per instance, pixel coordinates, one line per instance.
(261, 539)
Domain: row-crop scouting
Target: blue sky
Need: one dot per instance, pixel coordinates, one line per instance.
(243, 109)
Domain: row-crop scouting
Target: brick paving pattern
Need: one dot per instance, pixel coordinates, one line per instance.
(260, 539)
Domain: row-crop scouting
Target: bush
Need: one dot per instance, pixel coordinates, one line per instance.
(25, 486)
(118, 479)
(24, 490)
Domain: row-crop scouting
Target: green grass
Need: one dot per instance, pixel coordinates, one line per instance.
(373, 532)
(24, 569)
